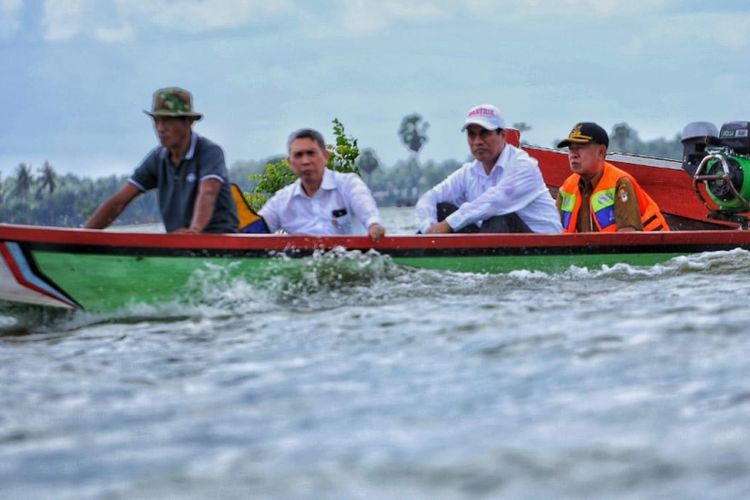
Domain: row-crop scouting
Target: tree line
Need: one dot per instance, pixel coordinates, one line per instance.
(42, 197)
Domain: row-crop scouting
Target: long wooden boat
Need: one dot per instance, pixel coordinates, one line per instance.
(84, 269)
(95, 270)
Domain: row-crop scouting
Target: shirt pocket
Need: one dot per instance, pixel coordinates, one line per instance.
(341, 220)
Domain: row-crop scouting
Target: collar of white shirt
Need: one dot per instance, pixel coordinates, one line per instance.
(327, 183)
(502, 161)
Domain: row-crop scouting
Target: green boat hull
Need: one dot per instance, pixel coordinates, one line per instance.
(107, 282)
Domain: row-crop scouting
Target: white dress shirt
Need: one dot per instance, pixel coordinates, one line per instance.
(329, 211)
(514, 184)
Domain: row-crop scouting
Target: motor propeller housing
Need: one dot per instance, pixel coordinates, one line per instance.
(720, 162)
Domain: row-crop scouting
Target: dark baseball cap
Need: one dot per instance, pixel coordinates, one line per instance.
(586, 133)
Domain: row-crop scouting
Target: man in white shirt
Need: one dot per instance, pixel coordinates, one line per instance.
(320, 201)
(501, 191)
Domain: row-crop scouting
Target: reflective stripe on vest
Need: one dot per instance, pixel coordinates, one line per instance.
(602, 203)
(567, 206)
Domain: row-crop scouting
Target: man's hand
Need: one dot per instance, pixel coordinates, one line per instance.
(185, 230)
(376, 231)
(439, 228)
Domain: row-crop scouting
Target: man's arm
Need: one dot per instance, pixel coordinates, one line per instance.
(627, 209)
(450, 190)
(205, 203)
(112, 207)
(518, 187)
(364, 206)
(271, 213)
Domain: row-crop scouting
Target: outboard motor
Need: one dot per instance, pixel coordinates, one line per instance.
(696, 137)
(722, 165)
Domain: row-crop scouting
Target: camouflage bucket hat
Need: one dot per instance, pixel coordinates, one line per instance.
(173, 101)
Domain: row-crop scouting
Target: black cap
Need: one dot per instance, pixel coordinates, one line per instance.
(586, 133)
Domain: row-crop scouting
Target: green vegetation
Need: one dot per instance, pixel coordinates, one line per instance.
(68, 201)
(276, 174)
(624, 139)
(41, 197)
(344, 154)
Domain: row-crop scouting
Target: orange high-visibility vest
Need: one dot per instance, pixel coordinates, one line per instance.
(603, 203)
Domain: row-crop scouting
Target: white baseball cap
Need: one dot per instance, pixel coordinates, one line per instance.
(486, 116)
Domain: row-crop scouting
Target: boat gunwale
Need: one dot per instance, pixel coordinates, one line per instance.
(92, 241)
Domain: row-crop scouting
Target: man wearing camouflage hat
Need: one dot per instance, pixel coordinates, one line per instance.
(187, 170)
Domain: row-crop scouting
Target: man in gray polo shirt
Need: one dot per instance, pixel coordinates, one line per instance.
(187, 170)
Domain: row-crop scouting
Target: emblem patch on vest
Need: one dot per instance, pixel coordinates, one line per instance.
(623, 194)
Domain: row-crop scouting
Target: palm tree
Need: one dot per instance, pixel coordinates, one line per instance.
(413, 132)
(367, 161)
(48, 179)
(621, 137)
(522, 127)
(24, 181)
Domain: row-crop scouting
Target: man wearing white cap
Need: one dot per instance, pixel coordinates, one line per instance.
(501, 191)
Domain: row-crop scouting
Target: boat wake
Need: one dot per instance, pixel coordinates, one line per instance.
(721, 262)
(340, 278)
(298, 283)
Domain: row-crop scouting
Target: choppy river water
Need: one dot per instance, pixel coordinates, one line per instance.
(388, 382)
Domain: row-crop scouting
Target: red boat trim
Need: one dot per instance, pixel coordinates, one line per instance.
(104, 242)
(400, 251)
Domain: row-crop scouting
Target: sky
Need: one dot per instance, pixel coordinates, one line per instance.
(75, 75)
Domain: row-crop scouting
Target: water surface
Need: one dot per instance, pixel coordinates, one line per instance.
(388, 382)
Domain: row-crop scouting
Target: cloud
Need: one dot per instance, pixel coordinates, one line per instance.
(10, 11)
(119, 20)
(65, 19)
(673, 32)
(203, 15)
(545, 8)
(365, 17)
(111, 35)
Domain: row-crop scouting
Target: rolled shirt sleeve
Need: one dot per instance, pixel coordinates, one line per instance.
(362, 202)
(450, 190)
(518, 187)
(270, 212)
